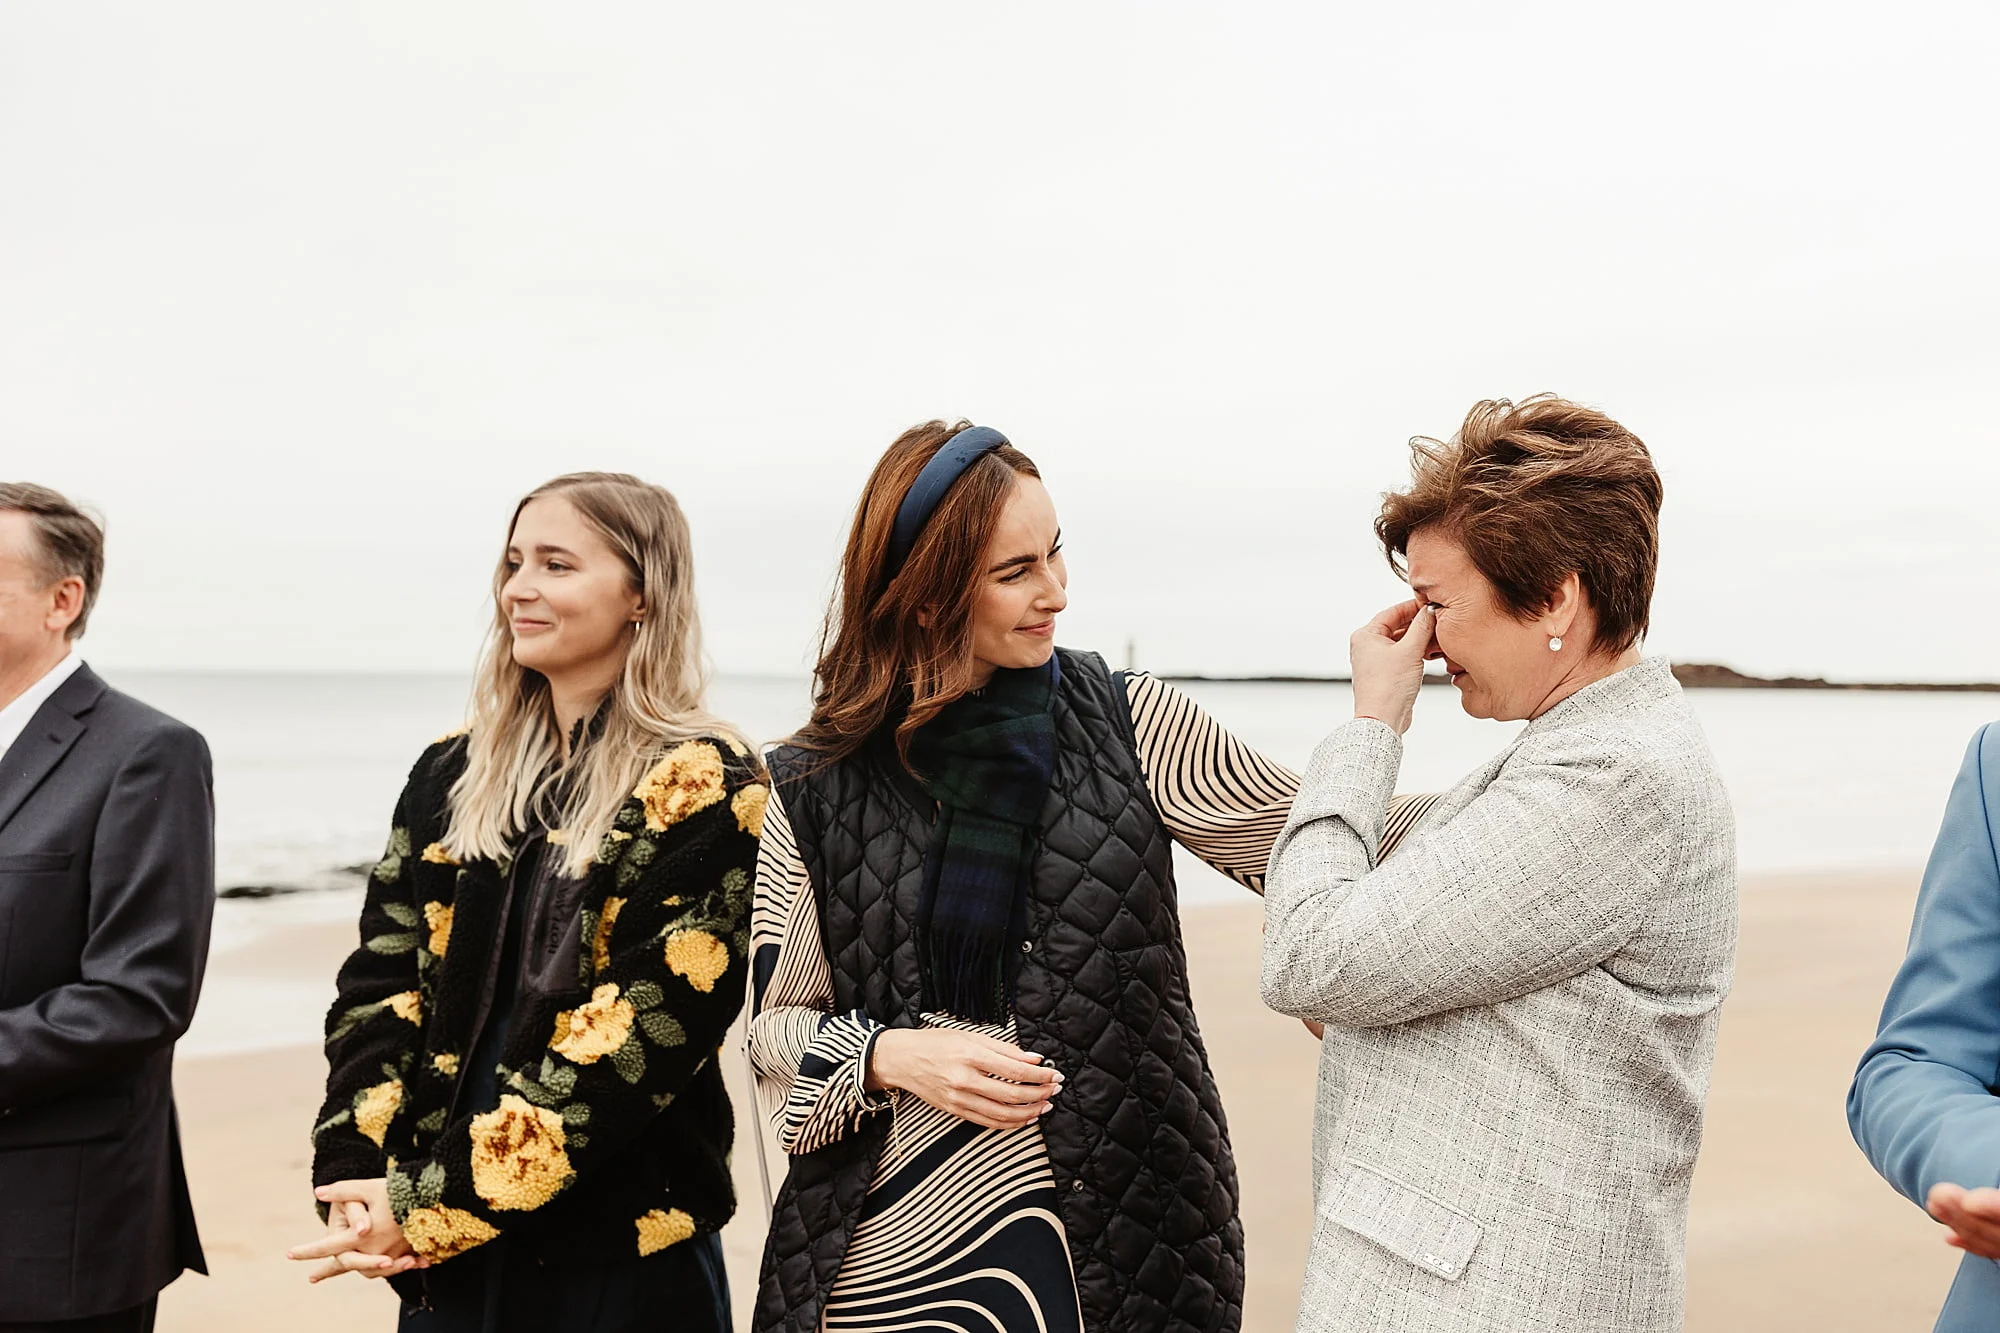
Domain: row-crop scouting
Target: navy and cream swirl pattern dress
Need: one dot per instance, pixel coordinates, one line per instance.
(960, 1232)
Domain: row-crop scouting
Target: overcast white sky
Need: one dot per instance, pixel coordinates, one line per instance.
(303, 296)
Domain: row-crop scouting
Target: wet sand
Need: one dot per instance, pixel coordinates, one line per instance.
(1790, 1229)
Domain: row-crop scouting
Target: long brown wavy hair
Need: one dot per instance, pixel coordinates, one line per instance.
(897, 645)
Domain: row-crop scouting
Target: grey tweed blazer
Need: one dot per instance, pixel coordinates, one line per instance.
(1520, 1013)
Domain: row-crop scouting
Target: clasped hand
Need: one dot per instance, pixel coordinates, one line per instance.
(1973, 1216)
(977, 1078)
(362, 1235)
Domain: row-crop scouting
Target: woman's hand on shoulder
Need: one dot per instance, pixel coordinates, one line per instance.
(978, 1078)
(1387, 655)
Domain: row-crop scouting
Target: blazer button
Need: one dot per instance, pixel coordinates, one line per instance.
(1027, 946)
(1076, 1187)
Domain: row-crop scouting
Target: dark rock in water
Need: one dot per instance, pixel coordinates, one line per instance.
(332, 879)
(1712, 676)
(256, 891)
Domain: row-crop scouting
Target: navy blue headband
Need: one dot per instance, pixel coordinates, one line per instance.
(947, 465)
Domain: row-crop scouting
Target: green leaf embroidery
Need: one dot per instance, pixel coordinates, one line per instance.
(562, 1080)
(576, 1113)
(433, 1122)
(391, 945)
(399, 842)
(577, 1140)
(353, 1019)
(630, 1059)
(430, 1185)
(645, 995)
(663, 1029)
(388, 868)
(586, 964)
(402, 1194)
(532, 1090)
(403, 914)
(337, 1118)
(661, 1101)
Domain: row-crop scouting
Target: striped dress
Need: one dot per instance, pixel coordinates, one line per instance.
(960, 1231)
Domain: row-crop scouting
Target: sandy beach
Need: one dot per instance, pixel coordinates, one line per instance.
(1790, 1229)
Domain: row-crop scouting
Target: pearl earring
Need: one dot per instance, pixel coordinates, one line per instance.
(1555, 643)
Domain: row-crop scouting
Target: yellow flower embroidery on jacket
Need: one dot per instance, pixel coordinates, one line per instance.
(438, 917)
(658, 1229)
(438, 856)
(600, 943)
(408, 1006)
(376, 1107)
(748, 806)
(446, 1063)
(594, 1029)
(518, 1160)
(453, 735)
(439, 1232)
(698, 956)
(687, 781)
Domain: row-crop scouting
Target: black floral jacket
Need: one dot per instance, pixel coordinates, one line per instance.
(613, 1130)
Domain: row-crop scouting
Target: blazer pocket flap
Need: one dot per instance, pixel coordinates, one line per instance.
(27, 862)
(81, 1118)
(1402, 1220)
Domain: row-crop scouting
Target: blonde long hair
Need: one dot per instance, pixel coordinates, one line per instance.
(513, 758)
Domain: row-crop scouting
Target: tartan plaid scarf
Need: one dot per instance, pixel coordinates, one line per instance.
(987, 759)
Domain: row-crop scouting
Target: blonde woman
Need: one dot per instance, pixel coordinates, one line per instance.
(525, 1126)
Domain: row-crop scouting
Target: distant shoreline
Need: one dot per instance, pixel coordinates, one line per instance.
(1692, 675)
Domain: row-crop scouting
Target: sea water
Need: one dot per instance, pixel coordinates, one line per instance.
(308, 767)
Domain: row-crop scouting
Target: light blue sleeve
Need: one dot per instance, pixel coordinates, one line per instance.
(1922, 1106)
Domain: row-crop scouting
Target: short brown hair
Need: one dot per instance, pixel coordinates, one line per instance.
(69, 542)
(1536, 491)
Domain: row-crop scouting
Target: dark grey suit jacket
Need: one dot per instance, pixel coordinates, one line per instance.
(107, 888)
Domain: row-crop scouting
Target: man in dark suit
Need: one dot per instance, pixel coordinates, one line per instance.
(107, 887)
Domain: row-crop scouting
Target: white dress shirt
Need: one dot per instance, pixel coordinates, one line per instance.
(15, 716)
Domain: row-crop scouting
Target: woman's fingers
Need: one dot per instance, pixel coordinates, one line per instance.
(334, 1242)
(1972, 1217)
(369, 1265)
(331, 1268)
(1014, 1069)
(996, 1115)
(393, 1267)
(1982, 1202)
(1392, 621)
(365, 1193)
(1009, 1051)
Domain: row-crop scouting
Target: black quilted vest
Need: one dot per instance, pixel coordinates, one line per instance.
(1137, 1139)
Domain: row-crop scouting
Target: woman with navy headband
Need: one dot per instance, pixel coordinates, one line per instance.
(972, 1026)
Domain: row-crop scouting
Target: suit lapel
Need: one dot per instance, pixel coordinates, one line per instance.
(46, 739)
